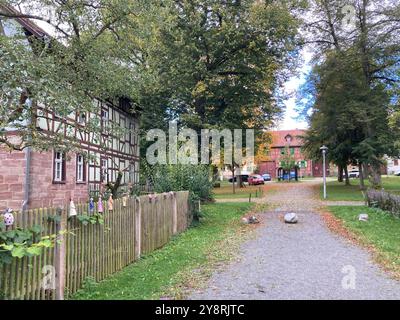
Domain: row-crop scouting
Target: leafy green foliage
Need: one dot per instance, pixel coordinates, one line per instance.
(353, 90)
(220, 64)
(90, 219)
(19, 243)
(194, 178)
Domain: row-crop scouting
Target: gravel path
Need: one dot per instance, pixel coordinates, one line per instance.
(302, 261)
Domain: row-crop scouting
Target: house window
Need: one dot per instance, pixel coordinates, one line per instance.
(396, 162)
(81, 118)
(59, 167)
(80, 168)
(104, 119)
(104, 170)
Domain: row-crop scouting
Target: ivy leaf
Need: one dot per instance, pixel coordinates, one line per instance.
(34, 251)
(36, 229)
(8, 247)
(11, 234)
(5, 257)
(18, 252)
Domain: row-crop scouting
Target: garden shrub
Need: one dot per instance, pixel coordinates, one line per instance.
(384, 200)
(193, 178)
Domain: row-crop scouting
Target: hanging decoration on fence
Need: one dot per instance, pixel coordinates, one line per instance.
(110, 203)
(100, 208)
(72, 209)
(91, 205)
(124, 200)
(8, 217)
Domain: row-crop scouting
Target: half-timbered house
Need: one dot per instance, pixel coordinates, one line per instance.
(31, 179)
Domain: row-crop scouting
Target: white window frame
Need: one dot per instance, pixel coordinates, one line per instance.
(80, 167)
(58, 166)
(81, 117)
(104, 119)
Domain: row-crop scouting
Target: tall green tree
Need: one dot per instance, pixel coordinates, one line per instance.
(94, 50)
(220, 63)
(366, 42)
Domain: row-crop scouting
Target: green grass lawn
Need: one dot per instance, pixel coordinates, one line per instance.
(381, 231)
(181, 263)
(339, 191)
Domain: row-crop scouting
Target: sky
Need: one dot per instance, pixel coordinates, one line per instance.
(289, 122)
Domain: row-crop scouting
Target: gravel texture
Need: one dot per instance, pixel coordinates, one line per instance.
(300, 261)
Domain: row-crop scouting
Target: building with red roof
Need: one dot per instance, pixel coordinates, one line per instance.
(291, 139)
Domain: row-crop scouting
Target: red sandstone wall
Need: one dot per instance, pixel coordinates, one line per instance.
(12, 175)
(43, 192)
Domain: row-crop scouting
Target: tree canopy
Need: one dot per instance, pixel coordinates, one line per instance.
(354, 84)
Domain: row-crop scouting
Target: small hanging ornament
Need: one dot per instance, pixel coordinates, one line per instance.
(8, 217)
(91, 205)
(110, 204)
(100, 205)
(124, 201)
(72, 209)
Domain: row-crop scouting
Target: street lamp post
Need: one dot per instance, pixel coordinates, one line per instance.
(324, 149)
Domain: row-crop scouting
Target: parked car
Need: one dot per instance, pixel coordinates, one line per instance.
(255, 179)
(267, 177)
(354, 174)
(397, 173)
(244, 178)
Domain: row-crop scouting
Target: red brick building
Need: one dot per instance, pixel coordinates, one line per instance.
(289, 139)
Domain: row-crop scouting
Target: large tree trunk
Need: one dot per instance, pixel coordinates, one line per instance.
(361, 171)
(340, 173)
(346, 173)
(375, 176)
(113, 187)
(365, 170)
(241, 183)
(233, 179)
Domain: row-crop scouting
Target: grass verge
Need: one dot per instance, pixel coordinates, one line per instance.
(380, 234)
(183, 264)
(338, 191)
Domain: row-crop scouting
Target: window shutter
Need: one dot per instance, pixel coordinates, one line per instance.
(64, 168)
(84, 169)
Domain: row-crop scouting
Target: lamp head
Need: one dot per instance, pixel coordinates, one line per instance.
(324, 148)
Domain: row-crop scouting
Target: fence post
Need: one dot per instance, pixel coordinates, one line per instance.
(138, 228)
(60, 252)
(174, 214)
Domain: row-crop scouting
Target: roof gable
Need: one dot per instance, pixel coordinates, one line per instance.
(283, 138)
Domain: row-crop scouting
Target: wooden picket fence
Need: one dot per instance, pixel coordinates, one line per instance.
(139, 226)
